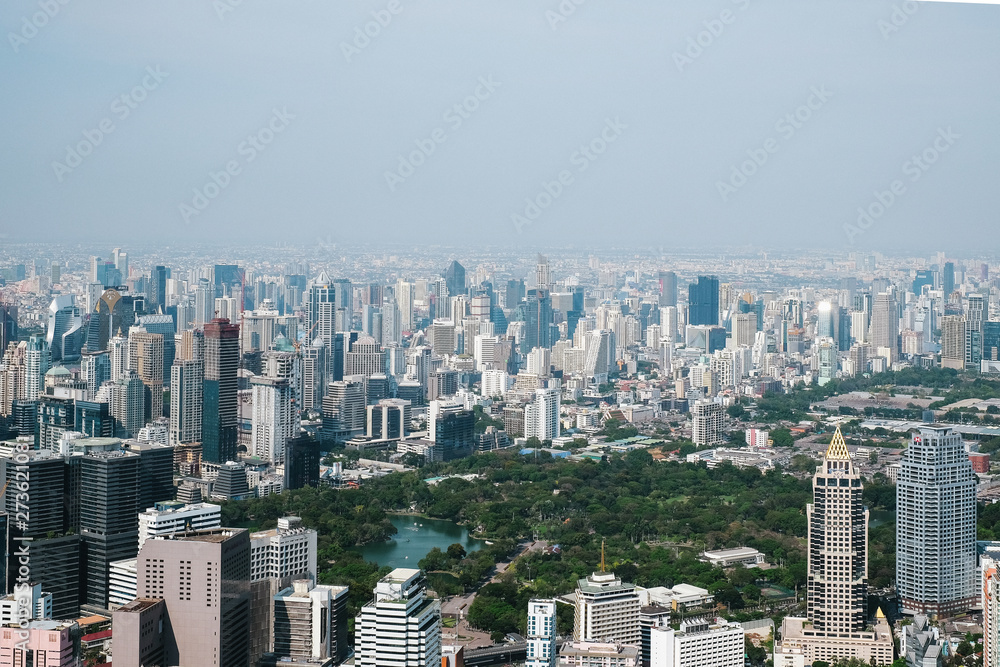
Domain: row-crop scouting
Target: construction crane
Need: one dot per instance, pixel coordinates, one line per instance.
(4, 489)
(297, 344)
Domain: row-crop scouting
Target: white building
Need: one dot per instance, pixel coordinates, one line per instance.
(305, 620)
(288, 550)
(598, 654)
(401, 626)
(168, 518)
(495, 383)
(275, 417)
(607, 609)
(698, 643)
(187, 379)
(707, 423)
(122, 582)
(37, 600)
(541, 417)
(729, 557)
(541, 633)
(936, 524)
(485, 352)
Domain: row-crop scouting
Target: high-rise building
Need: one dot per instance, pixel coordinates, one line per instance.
(607, 610)
(170, 517)
(286, 551)
(668, 288)
(454, 277)
(186, 399)
(452, 430)
(976, 312)
(310, 624)
(163, 325)
(37, 363)
(145, 357)
(219, 411)
(536, 312)
(703, 301)
(936, 524)
(64, 334)
(948, 279)
(543, 277)
(707, 421)
(275, 417)
(953, 342)
(837, 620)
(302, 457)
(365, 356)
(115, 312)
(203, 579)
(401, 626)
(885, 325)
(990, 599)
(541, 416)
(95, 370)
(541, 633)
(157, 288)
(8, 325)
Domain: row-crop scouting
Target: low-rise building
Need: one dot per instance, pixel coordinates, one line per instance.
(729, 557)
(597, 654)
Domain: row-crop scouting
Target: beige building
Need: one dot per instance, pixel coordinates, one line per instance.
(594, 654)
(607, 610)
(203, 581)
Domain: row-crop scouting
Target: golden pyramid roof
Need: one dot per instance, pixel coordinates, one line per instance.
(837, 451)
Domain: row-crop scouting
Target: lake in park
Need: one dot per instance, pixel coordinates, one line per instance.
(415, 538)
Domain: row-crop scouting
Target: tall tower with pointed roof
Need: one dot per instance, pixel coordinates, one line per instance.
(838, 545)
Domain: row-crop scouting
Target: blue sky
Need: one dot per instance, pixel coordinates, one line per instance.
(580, 124)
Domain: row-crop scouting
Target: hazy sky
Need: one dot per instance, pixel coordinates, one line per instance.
(616, 98)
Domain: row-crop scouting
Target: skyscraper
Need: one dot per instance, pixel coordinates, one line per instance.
(948, 279)
(275, 417)
(703, 301)
(668, 288)
(37, 362)
(936, 524)
(976, 312)
(454, 278)
(219, 411)
(401, 626)
(157, 288)
(885, 326)
(837, 620)
(541, 416)
(64, 333)
(310, 623)
(186, 399)
(145, 357)
(953, 341)
(115, 312)
(543, 277)
(607, 610)
(8, 325)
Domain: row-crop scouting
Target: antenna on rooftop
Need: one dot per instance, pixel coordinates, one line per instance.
(602, 556)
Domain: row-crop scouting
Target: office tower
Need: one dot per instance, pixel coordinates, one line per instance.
(187, 401)
(95, 369)
(668, 322)
(191, 346)
(389, 419)
(118, 354)
(826, 351)
(43, 642)
(64, 333)
(441, 337)
(401, 626)
(163, 325)
(976, 312)
(258, 328)
(745, 328)
(313, 375)
(836, 624)
(707, 421)
(13, 371)
(484, 352)
(228, 280)
(600, 345)
(8, 325)
(607, 610)
(541, 633)
(668, 288)
(441, 383)
(204, 303)
(923, 278)
(454, 277)
(145, 357)
(452, 429)
(365, 357)
(825, 326)
(953, 342)
(203, 579)
(513, 293)
(310, 624)
(539, 361)
(936, 524)
(126, 398)
(37, 364)
(858, 358)
(109, 500)
(948, 279)
(156, 469)
(885, 325)
(157, 289)
(219, 411)
(344, 408)
(541, 416)
(698, 643)
(302, 458)
(286, 551)
(227, 307)
(703, 301)
(543, 278)
(344, 299)
(115, 312)
(537, 316)
(991, 341)
(275, 417)
(55, 417)
(93, 419)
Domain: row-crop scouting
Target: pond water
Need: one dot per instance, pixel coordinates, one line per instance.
(877, 517)
(415, 538)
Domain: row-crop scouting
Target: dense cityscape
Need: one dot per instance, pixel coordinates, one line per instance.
(365, 455)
